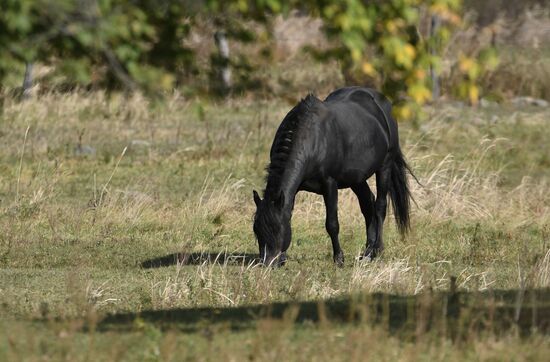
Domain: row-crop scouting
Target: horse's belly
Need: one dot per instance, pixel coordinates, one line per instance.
(312, 185)
(357, 170)
(347, 176)
(352, 177)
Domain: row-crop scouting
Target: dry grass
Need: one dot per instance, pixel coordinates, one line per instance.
(77, 226)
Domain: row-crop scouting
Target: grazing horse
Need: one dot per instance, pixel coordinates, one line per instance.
(323, 146)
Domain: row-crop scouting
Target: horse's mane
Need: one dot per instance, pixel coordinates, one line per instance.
(285, 139)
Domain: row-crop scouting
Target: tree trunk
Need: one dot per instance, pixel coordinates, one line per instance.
(223, 52)
(27, 82)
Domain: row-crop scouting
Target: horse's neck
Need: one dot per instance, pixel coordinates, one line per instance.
(288, 183)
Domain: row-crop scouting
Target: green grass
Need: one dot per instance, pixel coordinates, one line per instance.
(77, 227)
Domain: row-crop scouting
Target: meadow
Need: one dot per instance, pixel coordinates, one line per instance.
(113, 205)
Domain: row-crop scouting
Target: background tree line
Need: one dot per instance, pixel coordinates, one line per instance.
(140, 44)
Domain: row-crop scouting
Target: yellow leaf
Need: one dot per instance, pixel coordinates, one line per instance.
(420, 74)
(419, 93)
(465, 64)
(368, 69)
(391, 27)
(403, 112)
(446, 14)
(409, 50)
(473, 94)
(404, 55)
(343, 21)
(356, 55)
(243, 6)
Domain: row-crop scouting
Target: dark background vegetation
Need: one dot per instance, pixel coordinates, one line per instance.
(160, 46)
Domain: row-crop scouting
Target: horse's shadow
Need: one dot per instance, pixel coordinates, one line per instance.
(199, 258)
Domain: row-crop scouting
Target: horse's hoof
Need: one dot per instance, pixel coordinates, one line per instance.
(339, 260)
(365, 258)
(370, 254)
(282, 259)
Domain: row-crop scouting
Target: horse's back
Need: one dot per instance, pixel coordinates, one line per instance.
(356, 134)
(377, 108)
(360, 95)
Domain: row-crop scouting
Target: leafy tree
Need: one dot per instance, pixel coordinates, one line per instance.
(135, 44)
(125, 43)
(17, 35)
(378, 42)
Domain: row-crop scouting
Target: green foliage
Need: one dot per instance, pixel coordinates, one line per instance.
(138, 44)
(16, 28)
(382, 45)
(470, 70)
(378, 42)
(123, 43)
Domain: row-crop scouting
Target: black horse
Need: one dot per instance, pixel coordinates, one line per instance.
(324, 146)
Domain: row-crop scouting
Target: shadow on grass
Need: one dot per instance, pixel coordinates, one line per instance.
(455, 314)
(200, 258)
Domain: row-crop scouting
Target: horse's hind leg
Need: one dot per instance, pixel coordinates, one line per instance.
(366, 202)
(383, 179)
(330, 195)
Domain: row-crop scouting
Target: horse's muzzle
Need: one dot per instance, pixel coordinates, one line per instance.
(275, 261)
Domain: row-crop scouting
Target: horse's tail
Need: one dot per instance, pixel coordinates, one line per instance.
(400, 193)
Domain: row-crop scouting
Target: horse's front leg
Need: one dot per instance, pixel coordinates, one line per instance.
(330, 195)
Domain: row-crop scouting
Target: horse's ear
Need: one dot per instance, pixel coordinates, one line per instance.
(280, 201)
(257, 199)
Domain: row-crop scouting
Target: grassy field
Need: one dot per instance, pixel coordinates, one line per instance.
(117, 205)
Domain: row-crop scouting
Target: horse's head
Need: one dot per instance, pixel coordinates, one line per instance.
(272, 229)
